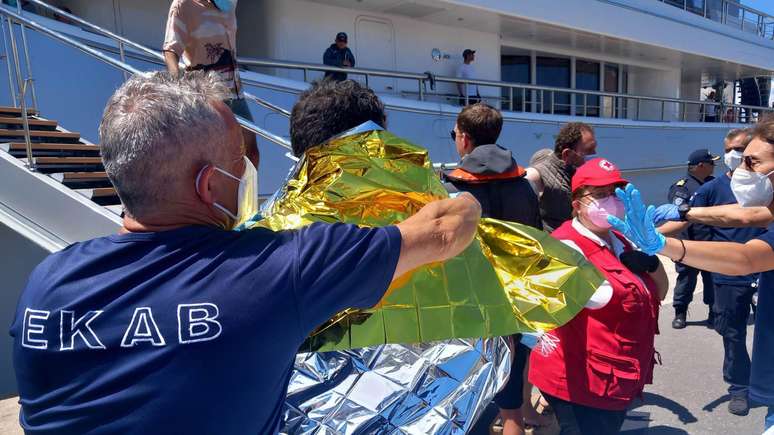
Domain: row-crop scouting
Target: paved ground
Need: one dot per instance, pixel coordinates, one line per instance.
(688, 395)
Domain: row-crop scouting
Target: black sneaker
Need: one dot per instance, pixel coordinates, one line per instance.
(738, 405)
(679, 322)
(711, 319)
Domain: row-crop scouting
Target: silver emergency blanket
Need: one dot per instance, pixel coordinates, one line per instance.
(430, 388)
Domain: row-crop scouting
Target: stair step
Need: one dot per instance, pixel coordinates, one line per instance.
(15, 111)
(68, 160)
(19, 149)
(82, 180)
(102, 196)
(79, 176)
(101, 192)
(21, 146)
(10, 133)
(31, 121)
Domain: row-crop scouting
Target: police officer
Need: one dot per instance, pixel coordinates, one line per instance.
(733, 294)
(701, 165)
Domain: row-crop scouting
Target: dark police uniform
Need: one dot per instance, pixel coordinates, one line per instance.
(679, 193)
(733, 294)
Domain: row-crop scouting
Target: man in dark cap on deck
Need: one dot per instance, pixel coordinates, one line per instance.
(338, 54)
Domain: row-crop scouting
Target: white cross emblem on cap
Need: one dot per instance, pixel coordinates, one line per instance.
(606, 165)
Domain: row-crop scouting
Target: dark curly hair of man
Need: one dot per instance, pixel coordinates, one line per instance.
(570, 135)
(331, 107)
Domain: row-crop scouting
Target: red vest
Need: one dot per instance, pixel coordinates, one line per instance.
(604, 357)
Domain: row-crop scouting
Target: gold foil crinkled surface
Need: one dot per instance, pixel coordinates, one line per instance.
(511, 279)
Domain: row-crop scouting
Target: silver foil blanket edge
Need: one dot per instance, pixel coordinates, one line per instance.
(431, 388)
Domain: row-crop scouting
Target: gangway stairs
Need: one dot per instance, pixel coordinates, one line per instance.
(61, 154)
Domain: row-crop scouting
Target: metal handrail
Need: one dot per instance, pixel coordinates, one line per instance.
(761, 23)
(620, 101)
(526, 90)
(120, 65)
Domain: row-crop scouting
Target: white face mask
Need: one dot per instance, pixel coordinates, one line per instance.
(733, 159)
(247, 195)
(752, 189)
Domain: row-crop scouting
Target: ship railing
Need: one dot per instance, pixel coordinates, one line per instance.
(730, 13)
(517, 97)
(23, 84)
(514, 96)
(520, 97)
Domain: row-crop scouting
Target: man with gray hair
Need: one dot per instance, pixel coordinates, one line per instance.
(177, 324)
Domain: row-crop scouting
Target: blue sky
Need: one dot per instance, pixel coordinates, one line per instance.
(762, 5)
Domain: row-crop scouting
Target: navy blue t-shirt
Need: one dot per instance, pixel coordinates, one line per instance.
(762, 374)
(718, 192)
(189, 331)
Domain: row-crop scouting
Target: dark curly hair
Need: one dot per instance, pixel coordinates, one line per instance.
(570, 135)
(330, 107)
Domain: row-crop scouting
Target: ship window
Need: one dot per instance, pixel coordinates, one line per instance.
(516, 69)
(587, 78)
(611, 106)
(555, 72)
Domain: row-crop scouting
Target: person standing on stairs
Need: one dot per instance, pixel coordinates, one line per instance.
(203, 34)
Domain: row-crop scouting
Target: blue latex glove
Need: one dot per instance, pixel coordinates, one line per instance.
(666, 212)
(638, 224)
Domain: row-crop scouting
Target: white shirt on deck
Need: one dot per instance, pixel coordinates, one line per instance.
(467, 71)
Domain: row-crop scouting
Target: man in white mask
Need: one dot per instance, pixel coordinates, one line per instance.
(733, 294)
(751, 185)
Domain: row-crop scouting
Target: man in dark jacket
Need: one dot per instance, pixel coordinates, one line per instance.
(489, 172)
(338, 54)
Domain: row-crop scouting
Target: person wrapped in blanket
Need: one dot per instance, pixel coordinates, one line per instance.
(605, 355)
(472, 370)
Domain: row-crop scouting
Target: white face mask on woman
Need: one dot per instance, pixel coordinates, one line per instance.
(247, 195)
(752, 189)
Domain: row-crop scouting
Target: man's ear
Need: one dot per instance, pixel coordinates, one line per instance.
(576, 206)
(467, 143)
(566, 154)
(203, 180)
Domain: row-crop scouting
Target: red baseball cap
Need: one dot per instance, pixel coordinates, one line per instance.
(597, 172)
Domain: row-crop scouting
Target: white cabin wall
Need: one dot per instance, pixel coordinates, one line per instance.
(690, 89)
(645, 21)
(652, 82)
(414, 41)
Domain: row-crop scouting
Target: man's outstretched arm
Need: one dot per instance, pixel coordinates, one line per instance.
(439, 231)
(731, 215)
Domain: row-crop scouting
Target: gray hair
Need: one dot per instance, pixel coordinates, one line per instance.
(734, 132)
(154, 129)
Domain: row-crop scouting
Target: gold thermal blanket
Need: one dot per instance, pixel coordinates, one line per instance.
(511, 279)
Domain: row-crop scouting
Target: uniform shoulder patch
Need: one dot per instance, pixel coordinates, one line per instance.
(681, 183)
